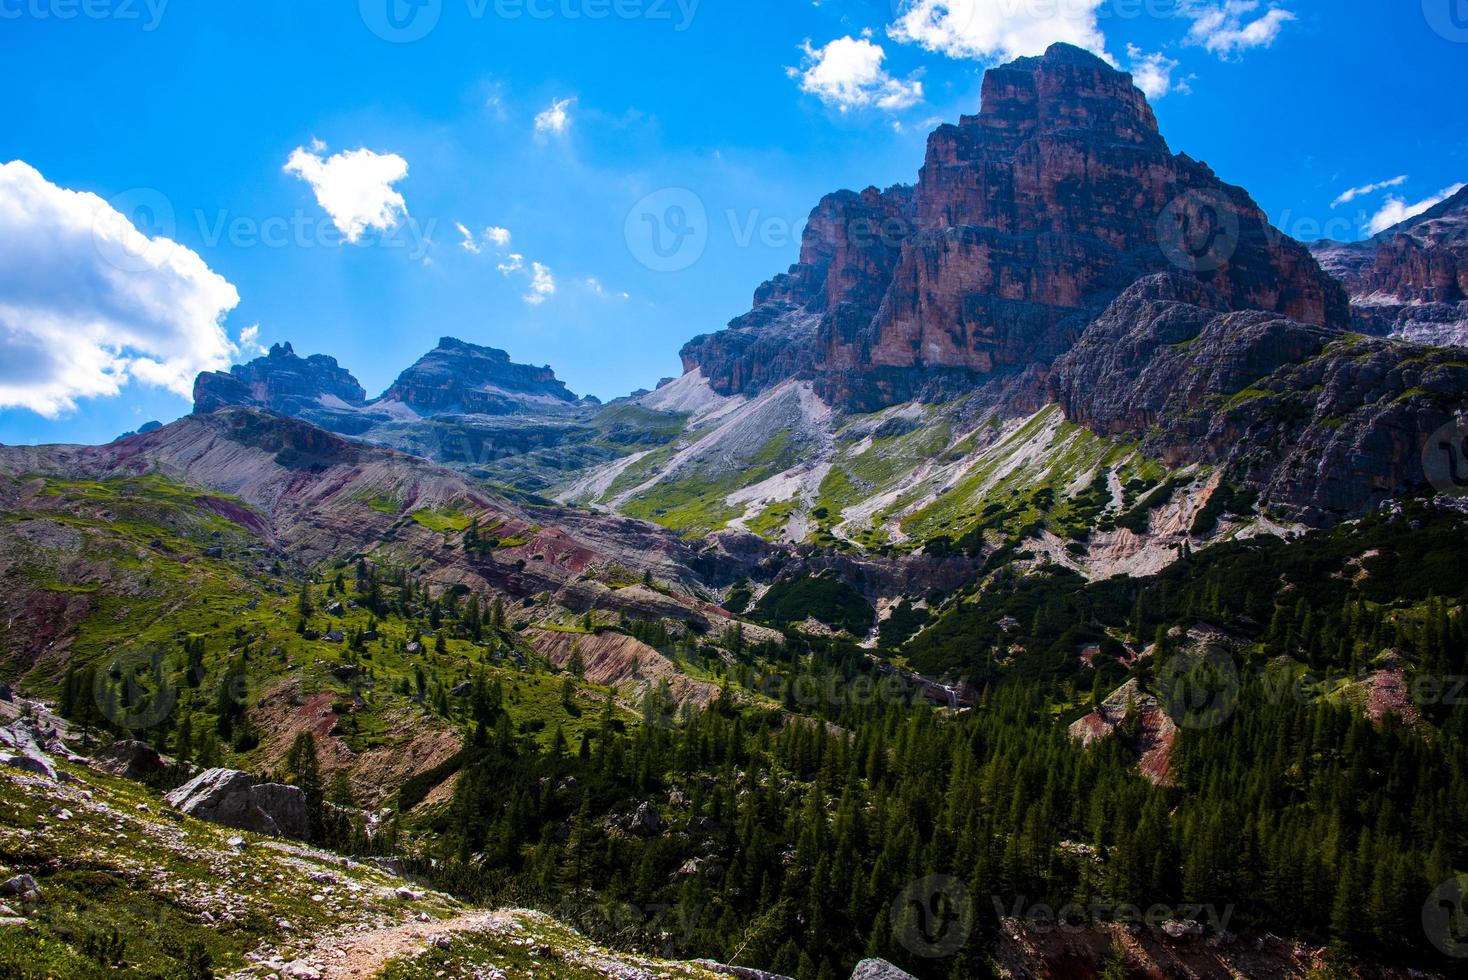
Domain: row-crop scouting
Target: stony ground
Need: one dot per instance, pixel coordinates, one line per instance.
(125, 884)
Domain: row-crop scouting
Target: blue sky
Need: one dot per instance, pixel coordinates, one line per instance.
(563, 123)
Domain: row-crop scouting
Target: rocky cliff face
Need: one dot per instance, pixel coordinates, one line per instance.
(314, 387)
(462, 378)
(1411, 280)
(1026, 221)
(1322, 425)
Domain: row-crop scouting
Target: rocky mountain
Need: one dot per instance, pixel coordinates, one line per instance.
(1411, 280)
(316, 496)
(1321, 426)
(314, 388)
(461, 404)
(1061, 306)
(462, 378)
(1027, 220)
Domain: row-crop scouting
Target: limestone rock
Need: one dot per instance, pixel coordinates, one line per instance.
(1027, 220)
(879, 970)
(231, 798)
(128, 758)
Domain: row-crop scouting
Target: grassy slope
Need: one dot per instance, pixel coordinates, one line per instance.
(167, 894)
(154, 583)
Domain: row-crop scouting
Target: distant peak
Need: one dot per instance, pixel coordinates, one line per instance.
(282, 350)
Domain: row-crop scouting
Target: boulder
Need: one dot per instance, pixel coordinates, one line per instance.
(879, 970)
(22, 887)
(742, 972)
(33, 762)
(231, 798)
(6, 694)
(646, 822)
(129, 759)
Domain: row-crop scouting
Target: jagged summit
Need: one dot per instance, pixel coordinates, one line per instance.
(457, 376)
(1026, 221)
(1066, 89)
(281, 381)
(1411, 280)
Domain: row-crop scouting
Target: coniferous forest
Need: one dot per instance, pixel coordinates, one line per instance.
(1287, 808)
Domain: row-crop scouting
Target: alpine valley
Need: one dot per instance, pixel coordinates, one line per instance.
(1058, 572)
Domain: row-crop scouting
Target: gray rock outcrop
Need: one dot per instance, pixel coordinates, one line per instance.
(879, 970)
(232, 798)
(129, 759)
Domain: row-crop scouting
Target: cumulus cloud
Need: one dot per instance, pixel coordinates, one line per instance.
(542, 285)
(1230, 28)
(1396, 210)
(998, 30)
(848, 74)
(354, 187)
(513, 262)
(88, 303)
(1153, 73)
(249, 342)
(1348, 196)
(555, 120)
(498, 237)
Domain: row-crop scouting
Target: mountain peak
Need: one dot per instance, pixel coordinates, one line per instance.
(1067, 89)
(280, 381)
(1026, 222)
(460, 377)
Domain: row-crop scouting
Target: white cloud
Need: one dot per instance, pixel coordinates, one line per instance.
(1396, 210)
(354, 187)
(498, 237)
(514, 262)
(1153, 73)
(88, 303)
(990, 30)
(542, 285)
(1227, 30)
(1348, 196)
(556, 119)
(594, 286)
(468, 244)
(249, 342)
(848, 74)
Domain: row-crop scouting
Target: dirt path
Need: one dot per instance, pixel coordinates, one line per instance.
(363, 954)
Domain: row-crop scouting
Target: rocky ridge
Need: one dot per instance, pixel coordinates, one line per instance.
(1323, 426)
(1410, 281)
(1026, 221)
